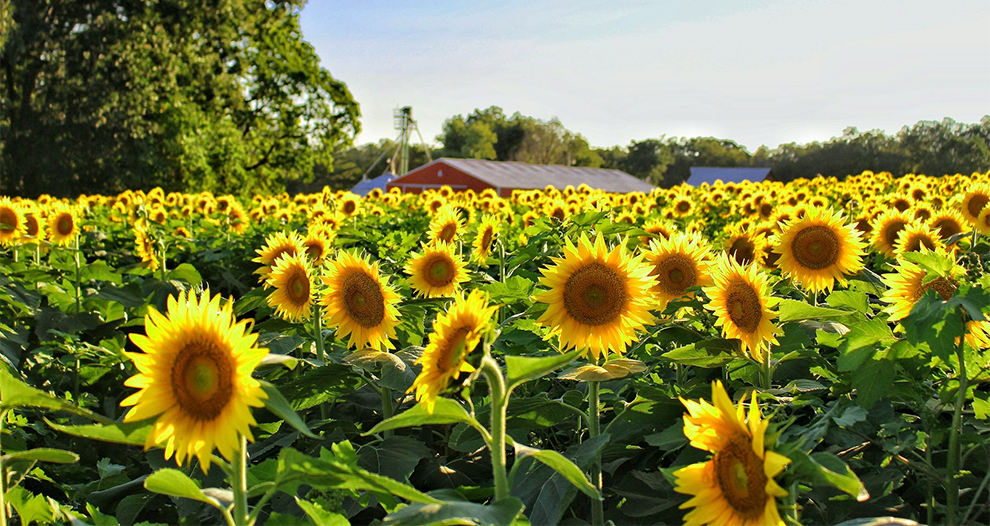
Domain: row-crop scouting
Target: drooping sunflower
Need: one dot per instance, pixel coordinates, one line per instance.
(436, 272)
(291, 281)
(914, 236)
(12, 222)
(886, 228)
(819, 249)
(678, 263)
(598, 298)
(736, 486)
(194, 374)
(455, 335)
(974, 201)
(446, 225)
(277, 245)
(145, 246)
(360, 303)
(485, 238)
(741, 299)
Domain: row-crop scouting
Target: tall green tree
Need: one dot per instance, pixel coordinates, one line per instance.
(220, 95)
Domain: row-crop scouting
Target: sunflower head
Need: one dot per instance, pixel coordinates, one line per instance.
(146, 246)
(446, 225)
(819, 249)
(736, 486)
(916, 235)
(598, 298)
(317, 242)
(917, 272)
(886, 229)
(292, 290)
(455, 336)
(741, 299)
(485, 239)
(436, 272)
(194, 375)
(948, 222)
(13, 225)
(746, 246)
(975, 201)
(276, 246)
(678, 263)
(360, 303)
(63, 224)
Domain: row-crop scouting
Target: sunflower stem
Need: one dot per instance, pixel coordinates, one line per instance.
(387, 409)
(766, 372)
(239, 483)
(3, 475)
(78, 280)
(951, 484)
(500, 401)
(161, 267)
(320, 353)
(594, 423)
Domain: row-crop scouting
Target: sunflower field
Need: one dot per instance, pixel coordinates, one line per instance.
(813, 352)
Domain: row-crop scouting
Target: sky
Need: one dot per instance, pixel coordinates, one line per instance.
(759, 72)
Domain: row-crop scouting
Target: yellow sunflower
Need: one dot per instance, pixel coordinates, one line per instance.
(597, 298)
(446, 225)
(886, 228)
(819, 249)
(292, 296)
(277, 245)
(438, 271)
(681, 205)
(195, 376)
(455, 335)
(317, 242)
(12, 222)
(974, 201)
(485, 239)
(34, 227)
(737, 485)
(948, 222)
(349, 204)
(914, 236)
(983, 222)
(63, 226)
(679, 263)
(146, 247)
(657, 227)
(746, 247)
(360, 303)
(741, 299)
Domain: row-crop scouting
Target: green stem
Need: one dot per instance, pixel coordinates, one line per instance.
(597, 505)
(951, 484)
(766, 372)
(500, 401)
(238, 483)
(78, 280)
(161, 267)
(3, 475)
(930, 512)
(388, 409)
(320, 353)
(792, 507)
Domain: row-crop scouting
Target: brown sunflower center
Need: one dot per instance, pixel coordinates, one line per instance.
(675, 274)
(363, 299)
(766, 209)
(558, 213)
(902, 204)
(297, 286)
(440, 270)
(350, 207)
(595, 294)
(448, 232)
(976, 204)
(815, 247)
(743, 250)
(892, 230)
(32, 226)
(454, 350)
(486, 239)
(741, 478)
(683, 207)
(314, 248)
(64, 224)
(948, 227)
(8, 219)
(914, 243)
(202, 379)
(281, 251)
(944, 287)
(742, 304)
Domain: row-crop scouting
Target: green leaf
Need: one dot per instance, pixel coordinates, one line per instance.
(514, 289)
(849, 299)
(187, 273)
(30, 507)
(873, 380)
(838, 474)
(320, 516)
(936, 323)
(16, 393)
(794, 310)
(175, 483)
(277, 404)
(445, 411)
(132, 433)
(501, 513)
(560, 464)
(43, 454)
(708, 353)
(859, 344)
(520, 369)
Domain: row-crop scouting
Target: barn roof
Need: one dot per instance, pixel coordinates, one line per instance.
(365, 186)
(508, 174)
(705, 174)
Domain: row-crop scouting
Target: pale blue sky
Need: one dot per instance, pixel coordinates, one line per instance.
(758, 72)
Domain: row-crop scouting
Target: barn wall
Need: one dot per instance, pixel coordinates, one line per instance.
(430, 176)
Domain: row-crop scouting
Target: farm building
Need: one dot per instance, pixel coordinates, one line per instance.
(705, 174)
(365, 186)
(504, 177)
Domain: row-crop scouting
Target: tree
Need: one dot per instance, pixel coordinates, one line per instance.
(103, 95)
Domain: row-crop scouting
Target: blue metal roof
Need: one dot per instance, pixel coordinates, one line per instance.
(705, 174)
(365, 187)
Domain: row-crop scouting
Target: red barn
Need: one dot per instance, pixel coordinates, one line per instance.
(504, 177)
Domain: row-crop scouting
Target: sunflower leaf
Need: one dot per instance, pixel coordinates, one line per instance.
(711, 353)
(445, 411)
(277, 404)
(43, 454)
(502, 513)
(522, 369)
(175, 483)
(561, 464)
(18, 394)
(133, 433)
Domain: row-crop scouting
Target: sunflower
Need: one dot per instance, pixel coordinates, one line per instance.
(737, 485)
(437, 272)
(455, 335)
(746, 247)
(277, 245)
(317, 243)
(914, 236)
(33, 227)
(349, 204)
(446, 225)
(145, 245)
(195, 376)
(360, 303)
(948, 222)
(974, 201)
(63, 226)
(597, 298)
(681, 205)
(12, 222)
(886, 229)
(819, 249)
(290, 278)
(679, 263)
(983, 222)
(485, 239)
(657, 227)
(741, 299)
